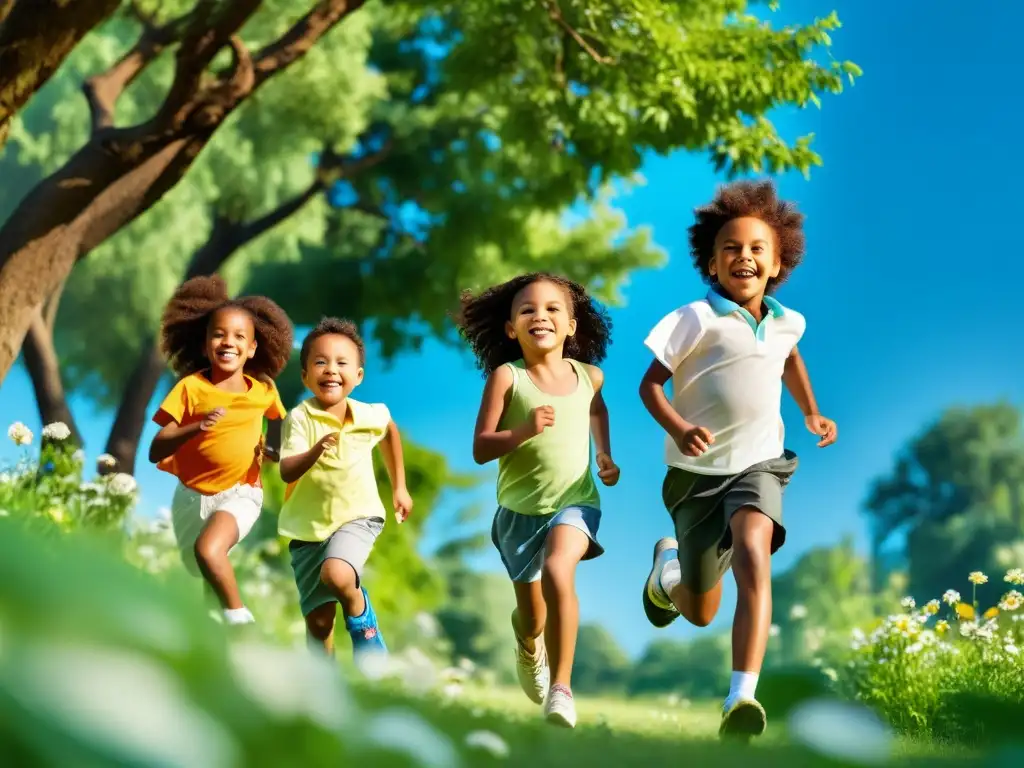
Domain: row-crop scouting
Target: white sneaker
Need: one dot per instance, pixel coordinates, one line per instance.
(560, 709)
(532, 668)
(238, 616)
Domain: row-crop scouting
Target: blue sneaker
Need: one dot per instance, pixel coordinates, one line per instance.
(364, 631)
(657, 605)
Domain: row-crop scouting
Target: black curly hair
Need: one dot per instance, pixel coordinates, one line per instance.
(333, 326)
(757, 199)
(189, 312)
(481, 322)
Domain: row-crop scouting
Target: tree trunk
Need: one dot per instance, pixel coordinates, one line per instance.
(35, 38)
(122, 172)
(126, 431)
(44, 369)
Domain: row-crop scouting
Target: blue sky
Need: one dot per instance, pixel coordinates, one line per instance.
(908, 288)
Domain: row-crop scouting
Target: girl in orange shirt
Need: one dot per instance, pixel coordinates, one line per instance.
(227, 353)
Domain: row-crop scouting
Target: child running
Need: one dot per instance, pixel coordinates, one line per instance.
(226, 353)
(728, 355)
(332, 509)
(537, 338)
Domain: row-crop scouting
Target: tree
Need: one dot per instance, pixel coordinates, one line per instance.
(697, 668)
(121, 172)
(596, 97)
(35, 37)
(961, 478)
(600, 666)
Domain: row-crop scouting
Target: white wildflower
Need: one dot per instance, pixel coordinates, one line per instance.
(830, 673)
(1015, 576)
(19, 433)
(915, 647)
(774, 630)
(908, 603)
(1011, 601)
(467, 665)
(57, 430)
(798, 612)
(106, 461)
(1011, 649)
(489, 742)
(78, 456)
(146, 552)
(426, 624)
(977, 577)
(951, 597)
(122, 484)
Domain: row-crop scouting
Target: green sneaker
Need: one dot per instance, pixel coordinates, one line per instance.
(657, 605)
(743, 720)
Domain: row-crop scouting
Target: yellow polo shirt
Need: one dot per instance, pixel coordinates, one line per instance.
(341, 486)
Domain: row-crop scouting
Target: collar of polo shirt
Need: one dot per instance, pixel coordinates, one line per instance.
(724, 306)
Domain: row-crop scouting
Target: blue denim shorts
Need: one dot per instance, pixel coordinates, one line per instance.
(520, 538)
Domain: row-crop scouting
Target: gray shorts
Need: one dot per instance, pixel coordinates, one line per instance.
(701, 507)
(520, 538)
(352, 543)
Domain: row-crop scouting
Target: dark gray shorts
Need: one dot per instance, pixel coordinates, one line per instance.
(352, 543)
(701, 507)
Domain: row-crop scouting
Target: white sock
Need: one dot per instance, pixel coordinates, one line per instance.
(669, 578)
(238, 616)
(743, 685)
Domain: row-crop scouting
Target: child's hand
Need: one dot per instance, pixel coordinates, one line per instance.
(327, 442)
(607, 469)
(694, 441)
(271, 453)
(824, 428)
(541, 417)
(402, 502)
(211, 419)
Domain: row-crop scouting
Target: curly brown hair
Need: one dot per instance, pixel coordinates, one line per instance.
(189, 312)
(481, 322)
(333, 326)
(759, 200)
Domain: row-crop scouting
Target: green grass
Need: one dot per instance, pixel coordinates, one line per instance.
(618, 732)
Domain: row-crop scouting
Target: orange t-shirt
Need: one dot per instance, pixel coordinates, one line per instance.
(232, 452)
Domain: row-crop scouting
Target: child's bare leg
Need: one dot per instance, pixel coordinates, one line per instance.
(699, 609)
(340, 578)
(751, 564)
(217, 538)
(565, 547)
(320, 628)
(530, 615)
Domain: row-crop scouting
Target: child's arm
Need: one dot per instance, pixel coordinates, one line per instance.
(601, 430)
(691, 439)
(173, 435)
(488, 444)
(295, 466)
(394, 462)
(794, 376)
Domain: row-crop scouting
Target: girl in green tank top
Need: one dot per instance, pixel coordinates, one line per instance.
(538, 338)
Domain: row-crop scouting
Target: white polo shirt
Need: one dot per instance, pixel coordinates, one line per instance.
(727, 377)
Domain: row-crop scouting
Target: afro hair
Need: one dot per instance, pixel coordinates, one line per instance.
(481, 322)
(187, 316)
(757, 199)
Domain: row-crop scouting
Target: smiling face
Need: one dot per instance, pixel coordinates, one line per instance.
(541, 317)
(230, 341)
(745, 259)
(332, 369)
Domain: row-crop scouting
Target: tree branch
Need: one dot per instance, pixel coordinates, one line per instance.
(103, 90)
(555, 13)
(302, 36)
(209, 31)
(248, 231)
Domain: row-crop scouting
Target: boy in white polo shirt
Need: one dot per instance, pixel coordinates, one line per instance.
(728, 356)
(332, 510)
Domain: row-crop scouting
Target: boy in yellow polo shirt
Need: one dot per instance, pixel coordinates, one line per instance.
(332, 509)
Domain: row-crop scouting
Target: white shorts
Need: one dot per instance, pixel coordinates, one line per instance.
(191, 509)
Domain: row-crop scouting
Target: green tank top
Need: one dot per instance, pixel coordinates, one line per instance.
(550, 471)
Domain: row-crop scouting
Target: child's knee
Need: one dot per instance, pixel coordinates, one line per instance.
(208, 552)
(752, 554)
(558, 572)
(320, 622)
(339, 575)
